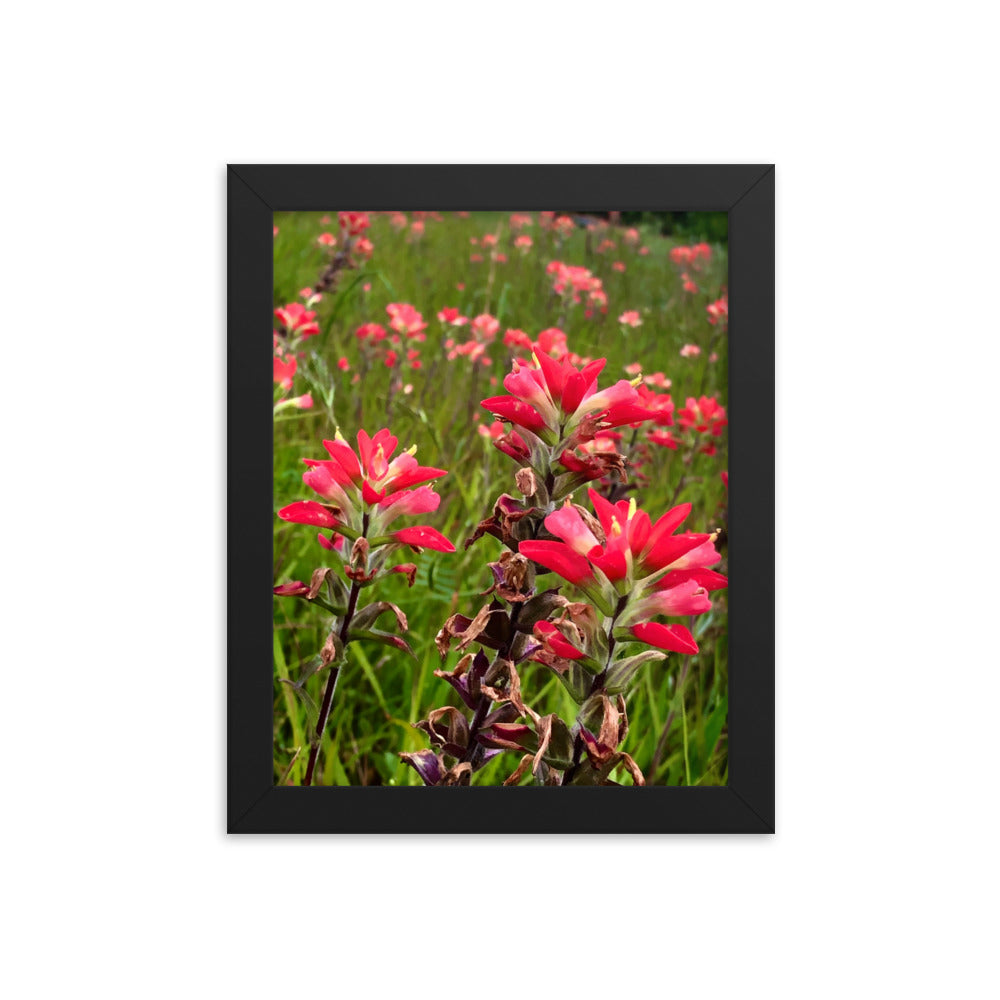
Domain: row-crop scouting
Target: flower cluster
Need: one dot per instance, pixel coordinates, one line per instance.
(365, 491)
(296, 322)
(483, 329)
(657, 571)
(577, 284)
(695, 257)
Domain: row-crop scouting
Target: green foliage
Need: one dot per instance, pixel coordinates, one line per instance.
(677, 732)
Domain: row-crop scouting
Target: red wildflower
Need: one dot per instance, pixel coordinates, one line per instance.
(634, 547)
(406, 320)
(486, 326)
(367, 490)
(354, 223)
(284, 371)
(718, 311)
(552, 399)
(630, 318)
(704, 415)
(297, 319)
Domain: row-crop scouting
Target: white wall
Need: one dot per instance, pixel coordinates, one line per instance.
(118, 878)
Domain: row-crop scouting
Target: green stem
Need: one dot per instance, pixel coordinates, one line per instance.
(331, 683)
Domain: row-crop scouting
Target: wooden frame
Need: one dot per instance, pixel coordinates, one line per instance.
(746, 804)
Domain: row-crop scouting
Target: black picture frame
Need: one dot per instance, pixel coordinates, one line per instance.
(254, 803)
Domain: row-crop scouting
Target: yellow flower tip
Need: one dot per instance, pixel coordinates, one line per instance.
(412, 450)
(636, 381)
(616, 528)
(712, 537)
(632, 507)
(337, 436)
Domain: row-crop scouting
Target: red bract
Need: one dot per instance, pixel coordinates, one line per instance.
(675, 638)
(297, 319)
(704, 415)
(308, 512)
(284, 371)
(424, 538)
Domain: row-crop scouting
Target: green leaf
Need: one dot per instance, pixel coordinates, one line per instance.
(623, 673)
(713, 727)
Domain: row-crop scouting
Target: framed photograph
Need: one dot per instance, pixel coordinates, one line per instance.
(501, 499)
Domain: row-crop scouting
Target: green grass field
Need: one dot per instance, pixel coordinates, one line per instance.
(677, 709)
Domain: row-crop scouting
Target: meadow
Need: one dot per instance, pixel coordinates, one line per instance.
(408, 321)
